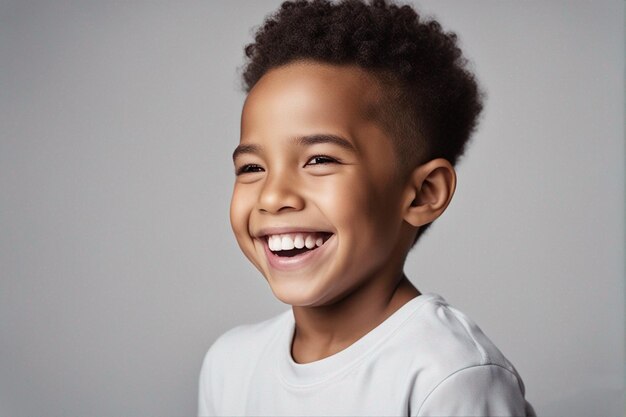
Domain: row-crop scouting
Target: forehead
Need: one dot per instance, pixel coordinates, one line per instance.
(302, 96)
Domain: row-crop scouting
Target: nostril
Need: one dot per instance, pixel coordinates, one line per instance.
(278, 196)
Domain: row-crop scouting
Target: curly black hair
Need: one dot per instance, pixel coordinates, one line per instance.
(432, 101)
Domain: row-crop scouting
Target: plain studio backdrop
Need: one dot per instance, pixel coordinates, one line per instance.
(118, 265)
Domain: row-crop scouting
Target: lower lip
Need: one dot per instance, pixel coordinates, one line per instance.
(291, 263)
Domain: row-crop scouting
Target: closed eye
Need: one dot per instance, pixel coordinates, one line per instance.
(321, 159)
(248, 168)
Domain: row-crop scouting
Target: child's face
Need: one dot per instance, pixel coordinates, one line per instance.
(344, 191)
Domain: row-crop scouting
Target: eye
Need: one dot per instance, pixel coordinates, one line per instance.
(321, 159)
(248, 168)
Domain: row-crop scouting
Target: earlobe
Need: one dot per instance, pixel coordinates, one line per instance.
(429, 191)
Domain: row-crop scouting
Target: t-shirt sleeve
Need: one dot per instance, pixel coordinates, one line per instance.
(482, 390)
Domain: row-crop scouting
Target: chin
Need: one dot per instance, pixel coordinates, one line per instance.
(294, 295)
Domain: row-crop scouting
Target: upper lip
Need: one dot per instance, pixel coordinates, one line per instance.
(266, 231)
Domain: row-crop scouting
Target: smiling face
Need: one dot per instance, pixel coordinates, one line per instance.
(317, 201)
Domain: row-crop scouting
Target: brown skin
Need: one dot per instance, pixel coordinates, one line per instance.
(372, 210)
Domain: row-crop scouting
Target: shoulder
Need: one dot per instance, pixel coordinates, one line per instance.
(454, 363)
(245, 339)
(233, 351)
(454, 336)
(444, 336)
(227, 361)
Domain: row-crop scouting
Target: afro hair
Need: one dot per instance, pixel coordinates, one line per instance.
(432, 101)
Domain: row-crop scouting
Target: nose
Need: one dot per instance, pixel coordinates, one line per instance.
(280, 193)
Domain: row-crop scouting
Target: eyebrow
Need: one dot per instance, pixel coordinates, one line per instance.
(307, 140)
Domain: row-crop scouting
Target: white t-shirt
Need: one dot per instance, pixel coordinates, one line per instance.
(426, 359)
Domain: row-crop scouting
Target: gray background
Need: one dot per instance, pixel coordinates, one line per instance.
(118, 266)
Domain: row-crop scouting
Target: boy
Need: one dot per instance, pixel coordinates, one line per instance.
(355, 117)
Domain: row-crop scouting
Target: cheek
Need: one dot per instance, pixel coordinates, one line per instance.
(340, 198)
(349, 204)
(357, 198)
(366, 215)
(240, 208)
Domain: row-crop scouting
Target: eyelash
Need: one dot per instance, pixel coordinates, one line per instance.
(328, 159)
(246, 169)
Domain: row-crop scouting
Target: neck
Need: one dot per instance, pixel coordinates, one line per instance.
(325, 330)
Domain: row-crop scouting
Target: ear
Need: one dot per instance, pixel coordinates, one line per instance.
(429, 191)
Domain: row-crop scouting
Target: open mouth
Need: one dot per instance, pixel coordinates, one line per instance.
(294, 244)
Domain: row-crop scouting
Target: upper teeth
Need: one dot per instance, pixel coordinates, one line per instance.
(294, 240)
